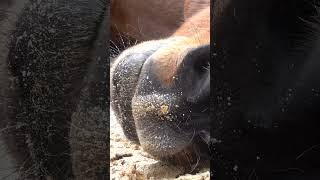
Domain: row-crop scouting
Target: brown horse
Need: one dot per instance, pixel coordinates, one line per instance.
(160, 87)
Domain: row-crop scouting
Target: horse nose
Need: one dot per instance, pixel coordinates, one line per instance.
(195, 74)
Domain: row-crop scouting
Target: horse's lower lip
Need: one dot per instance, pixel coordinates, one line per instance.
(202, 141)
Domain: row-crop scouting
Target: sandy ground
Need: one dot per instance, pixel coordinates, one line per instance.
(129, 162)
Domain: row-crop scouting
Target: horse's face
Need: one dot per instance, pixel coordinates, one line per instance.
(165, 84)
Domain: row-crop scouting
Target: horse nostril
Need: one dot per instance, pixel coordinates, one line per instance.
(201, 64)
(195, 74)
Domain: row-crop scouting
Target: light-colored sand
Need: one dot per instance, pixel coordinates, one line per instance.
(129, 162)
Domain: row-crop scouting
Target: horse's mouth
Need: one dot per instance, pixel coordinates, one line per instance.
(170, 121)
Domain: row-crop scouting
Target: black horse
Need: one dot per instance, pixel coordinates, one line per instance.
(265, 89)
(54, 87)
